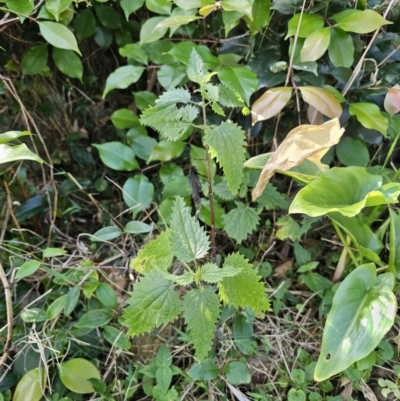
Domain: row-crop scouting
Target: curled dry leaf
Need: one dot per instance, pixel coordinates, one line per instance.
(304, 142)
(322, 100)
(392, 100)
(270, 103)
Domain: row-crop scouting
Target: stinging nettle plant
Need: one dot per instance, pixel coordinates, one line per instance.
(156, 298)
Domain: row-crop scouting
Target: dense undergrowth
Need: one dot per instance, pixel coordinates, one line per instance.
(212, 211)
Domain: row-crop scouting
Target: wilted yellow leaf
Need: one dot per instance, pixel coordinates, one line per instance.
(309, 142)
(270, 103)
(322, 100)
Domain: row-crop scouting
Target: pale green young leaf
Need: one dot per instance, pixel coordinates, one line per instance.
(211, 273)
(370, 116)
(195, 69)
(15, 153)
(183, 279)
(241, 6)
(153, 303)
(58, 35)
(229, 98)
(201, 310)
(122, 77)
(188, 240)
(227, 141)
(288, 228)
(171, 122)
(315, 45)
(309, 23)
(155, 255)
(358, 21)
(240, 222)
(244, 289)
(56, 7)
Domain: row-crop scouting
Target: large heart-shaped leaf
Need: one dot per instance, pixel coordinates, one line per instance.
(363, 310)
(345, 190)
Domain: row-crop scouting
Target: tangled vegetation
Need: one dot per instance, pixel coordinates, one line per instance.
(199, 200)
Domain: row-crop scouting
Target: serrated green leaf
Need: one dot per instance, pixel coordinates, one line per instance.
(244, 289)
(228, 141)
(271, 199)
(201, 310)
(156, 255)
(173, 96)
(195, 69)
(183, 279)
(221, 190)
(211, 273)
(188, 240)
(172, 123)
(229, 98)
(240, 222)
(153, 302)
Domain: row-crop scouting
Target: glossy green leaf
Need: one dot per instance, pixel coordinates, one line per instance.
(159, 6)
(16, 153)
(22, 8)
(149, 32)
(352, 152)
(56, 7)
(71, 300)
(106, 234)
(171, 76)
(56, 307)
(346, 190)
(166, 150)
(309, 23)
(84, 24)
(94, 318)
(261, 13)
(124, 118)
(106, 295)
(68, 63)
(138, 192)
(27, 268)
(364, 239)
(122, 77)
(75, 373)
(31, 386)
(315, 45)
(134, 51)
(201, 309)
(240, 79)
(117, 156)
(11, 135)
(130, 6)
(176, 21)
(363, 310)
(117, 338)
(369, 115)
(237, 373)
(53, 252)
(35, 61)
(341, 48)
(138, 227)
(208, 370)
(108, 17)
(241, 6)
(359, 21)
(58, 35)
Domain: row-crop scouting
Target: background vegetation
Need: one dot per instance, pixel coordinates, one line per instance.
(147, 183)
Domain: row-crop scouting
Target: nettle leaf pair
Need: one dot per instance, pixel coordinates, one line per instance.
(225, 142)
(155, 300)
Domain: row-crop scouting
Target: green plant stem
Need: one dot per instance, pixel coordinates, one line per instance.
(392, 244)
(344, 242)
(10, 316)
(210, 192)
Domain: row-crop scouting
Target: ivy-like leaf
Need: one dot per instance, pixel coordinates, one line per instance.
(188, 240)
(156, 255)
(240, 222)
(201, 310)
(227, 141)
(211, 273)
(153, 302)
(244, 289)
(169, 121)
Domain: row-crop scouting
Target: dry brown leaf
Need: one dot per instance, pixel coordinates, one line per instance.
(283, 268)
(314, 116)
(322, 100)
(304, 142)
(392, 100)
(270, 103)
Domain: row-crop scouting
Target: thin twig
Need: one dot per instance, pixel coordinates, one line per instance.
(10, 315)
